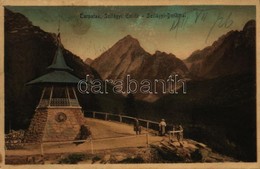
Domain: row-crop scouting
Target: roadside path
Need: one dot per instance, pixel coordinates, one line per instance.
(105, 134)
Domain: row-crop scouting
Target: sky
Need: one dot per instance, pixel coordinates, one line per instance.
(188, 28)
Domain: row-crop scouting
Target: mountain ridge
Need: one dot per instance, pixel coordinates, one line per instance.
(232, 53)
(127, 57)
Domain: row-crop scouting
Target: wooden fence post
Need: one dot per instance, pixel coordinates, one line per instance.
(42, 153)
(147, 125)
(106, 116)
(94, 114)
(120, 118)
(92, 148)
(147, 139)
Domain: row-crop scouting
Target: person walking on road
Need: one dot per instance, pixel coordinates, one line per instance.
(162, 126)
(137, 127)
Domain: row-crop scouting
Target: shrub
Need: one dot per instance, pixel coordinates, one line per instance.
(72, 159)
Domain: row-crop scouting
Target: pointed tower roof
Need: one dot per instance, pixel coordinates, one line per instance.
(58, 62)
(55, 77)
(59, 71)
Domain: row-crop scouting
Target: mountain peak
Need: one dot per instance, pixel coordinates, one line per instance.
(88, 61)
(129, 37)
(160, 53)
(128, 57)
(157, 52)
(129, 40)
(250, 24)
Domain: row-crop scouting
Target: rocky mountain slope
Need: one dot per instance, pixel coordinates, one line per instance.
(232, 53)
(127, 57)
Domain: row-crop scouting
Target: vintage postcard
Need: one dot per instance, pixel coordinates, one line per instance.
(114, 84)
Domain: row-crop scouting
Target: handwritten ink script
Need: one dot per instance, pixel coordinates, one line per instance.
(221, 21)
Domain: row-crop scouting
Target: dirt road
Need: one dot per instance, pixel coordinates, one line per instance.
(105, 135)
(106, 129)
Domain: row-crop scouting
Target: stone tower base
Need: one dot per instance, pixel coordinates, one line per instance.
(55, 124)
